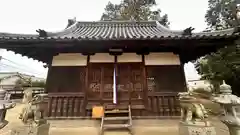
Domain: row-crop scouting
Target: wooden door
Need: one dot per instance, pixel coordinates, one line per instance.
(130, 83)
(100, 83)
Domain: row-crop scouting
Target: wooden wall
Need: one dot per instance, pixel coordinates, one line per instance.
(71, 89)
(165, 78)
(66, 79)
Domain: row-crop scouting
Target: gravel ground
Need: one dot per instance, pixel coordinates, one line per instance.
(88, 127)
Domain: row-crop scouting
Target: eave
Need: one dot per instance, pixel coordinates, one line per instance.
(92, 37)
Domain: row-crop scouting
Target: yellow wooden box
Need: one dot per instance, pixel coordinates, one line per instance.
(97, 111)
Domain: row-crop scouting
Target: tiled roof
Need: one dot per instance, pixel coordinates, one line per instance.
(13, 35)
(6, 75)
(118, 30)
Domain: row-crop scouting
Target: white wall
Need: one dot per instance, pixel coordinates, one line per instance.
(69, 59)
(102, 58)
(129, 57)
(162, 59)
(77, 59)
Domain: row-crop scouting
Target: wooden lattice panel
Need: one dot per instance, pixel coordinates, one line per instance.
(130, 82)
(100, 80)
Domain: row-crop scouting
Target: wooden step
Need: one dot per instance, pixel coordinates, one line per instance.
(116, 126)
(113, 117)
(116, 118)
(116, 111)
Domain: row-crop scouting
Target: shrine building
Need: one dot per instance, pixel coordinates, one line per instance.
(116, 64)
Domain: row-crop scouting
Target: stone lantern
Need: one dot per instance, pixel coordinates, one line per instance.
(231, 105)
(5, 104)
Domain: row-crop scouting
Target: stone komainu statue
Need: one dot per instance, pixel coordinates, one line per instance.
(190, 106)
(32, 113)
(27, 95)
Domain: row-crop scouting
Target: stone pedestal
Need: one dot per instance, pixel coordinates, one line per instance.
(3, 124)
(4, 105)
(31, 130)
(196, 129)
(234, 130)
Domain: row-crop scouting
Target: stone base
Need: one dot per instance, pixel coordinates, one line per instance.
(31, 130)
(3, 124)
(196, 129)
(234, 130)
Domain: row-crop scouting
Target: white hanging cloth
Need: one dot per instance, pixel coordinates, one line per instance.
(114, 87)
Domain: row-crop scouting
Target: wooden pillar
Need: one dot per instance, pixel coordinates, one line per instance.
(102, 85)
(86, 87)
(48, 110)
(145, 88)
(131, 84)
(48, 75)
(183, 76)
(182, 71)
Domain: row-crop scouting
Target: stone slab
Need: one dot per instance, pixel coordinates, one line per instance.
(31, 130)
(95, 131)
(190, 129)
(3, 124)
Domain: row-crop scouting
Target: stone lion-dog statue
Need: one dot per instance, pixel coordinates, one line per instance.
(32, 113)
(192, 110)
(27, 95)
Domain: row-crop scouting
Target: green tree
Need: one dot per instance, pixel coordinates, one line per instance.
(20, 83)
(38, 84)
(225, 63)
(221, 14)
(27, 82)
(136, 10)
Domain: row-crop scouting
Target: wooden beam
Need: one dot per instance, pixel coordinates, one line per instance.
(25, 47)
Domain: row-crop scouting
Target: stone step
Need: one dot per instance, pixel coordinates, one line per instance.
(116, 126)
(115, 118)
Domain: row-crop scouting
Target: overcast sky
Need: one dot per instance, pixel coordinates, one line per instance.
(25, 16)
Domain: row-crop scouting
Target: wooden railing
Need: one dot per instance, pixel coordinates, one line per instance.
(66, 105)
(163, 104)
(74, 105)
